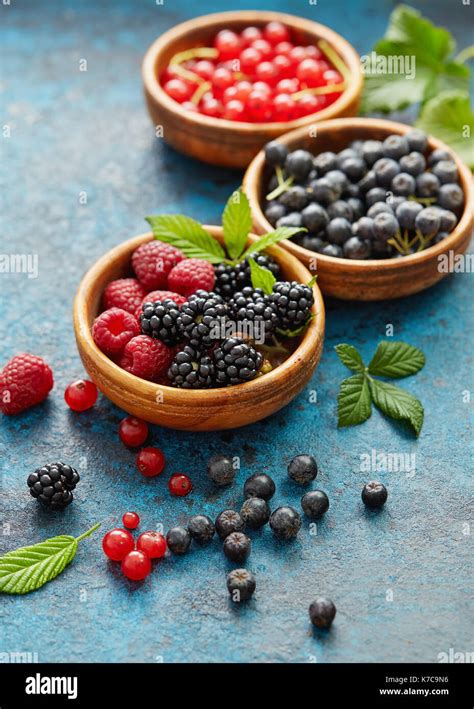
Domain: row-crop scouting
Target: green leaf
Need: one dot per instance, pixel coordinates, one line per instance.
(397, 403)
(354, 401)
(261, 277)
(297, 331)
(236, 223)
(188, 235)
(273, 237)
(396, 359)
(28, 568)
(350, 357)
(449, 117)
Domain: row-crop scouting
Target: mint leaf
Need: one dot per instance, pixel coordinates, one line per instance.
(449, 117)
(261, 277)
(350, 357)
(236, 223)
(188, 235)
(354, 401)
(28, 568)
(273, 237)
(397, 403)
(396, 359)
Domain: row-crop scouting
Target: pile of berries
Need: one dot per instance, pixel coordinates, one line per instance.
(188, 324)
(257, 75)
(135, 557)
(374, 199)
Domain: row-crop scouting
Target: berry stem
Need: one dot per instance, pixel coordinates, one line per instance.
(326, 49)
(321, 90)
(89, 531)
(200, 91)
(283, 187)
(465, 54)
(196, 53)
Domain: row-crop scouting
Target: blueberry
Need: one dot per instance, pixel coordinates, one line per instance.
(395, 146)
(403, 184)
(255, 512)
(427, 185)
(451, 197)
(241, 585)
(220, 469)
(296, 198)
(338, 230)
(446, 171)
(314, 217)
(368, 182)
(448, 220)
(379, 208)
(322, 612)
(357, 145)
(325, 162)
(315, 504)
(364, 228)
(417, 140)
(324, 191)
(312, 243)
(237, 547)
(274, 212)
(332, 250)
(381, 249)
(372, 150)
(201, 528)
(178, 540)
(275, 153)
(354, 168)
(357, 206)
(340, 208)
(413, 163)
(337, 178)
(299, 164)
(292, 219)
(259, 485)
(385, 170)
(312, 175)
(377, 194)
(227, 522)
(356, 248)
(407, 212)
(386, 226)
(303, 469)
(374, 494)
(347, 154)
(437, 155)
(394, 201)
(440, 236)
(428, 221)
(285, 522)
(352, 190)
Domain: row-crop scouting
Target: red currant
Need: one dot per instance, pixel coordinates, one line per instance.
(283, 66)
(222, 79)
(153, 544)
(133, 432)
(331, 76)
(81, 395)
(287, 86)
(234, 111)
(204, 68)
(190, 106)
(211, 107)
(150, 462)
(230, 94)
(259, 106)
(228, 44)
(136, 566)
(283, 108)
(243, 89)
(178, 90)
(264, 47)
(249, 35)
(130, 520)
(267, 72)
(309, 73)
(262, 87)
(313, 52)
(117, 544)
(308, 104)
(250, 58)
(283, 48)
(180, 485)
(276, 32)
(297, 54)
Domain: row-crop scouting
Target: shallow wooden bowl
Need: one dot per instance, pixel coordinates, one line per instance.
(231, 143)
(208, 410)
(375, 279)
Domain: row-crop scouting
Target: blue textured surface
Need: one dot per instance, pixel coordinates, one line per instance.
(400, 578)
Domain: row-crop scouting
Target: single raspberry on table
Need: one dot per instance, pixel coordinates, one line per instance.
(191, 275)
(146, 357)
(159, 295)
(125, 293)
(24, 381)
(113, 329)
(152, 263)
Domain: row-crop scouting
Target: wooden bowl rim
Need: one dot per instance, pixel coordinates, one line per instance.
(251, 186)
(126, 380)
(349, 55)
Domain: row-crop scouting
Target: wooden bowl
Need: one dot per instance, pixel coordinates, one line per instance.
(375, 279)
(231, 143)
(206, 410)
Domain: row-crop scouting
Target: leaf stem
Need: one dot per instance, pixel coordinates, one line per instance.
(89, 531)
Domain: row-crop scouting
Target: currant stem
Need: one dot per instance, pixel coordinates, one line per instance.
(89, 531)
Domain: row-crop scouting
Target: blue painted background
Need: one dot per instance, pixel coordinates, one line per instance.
(88, 131)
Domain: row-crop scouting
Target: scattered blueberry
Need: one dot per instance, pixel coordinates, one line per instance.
(255, 512)
(374, 494)
(259, 485)
(315, 504)
(227, 522)
(303, 469)
(237, 547)
(241, 585)
(220, 469)
(201, 528)
(178, 540)
(322, 612)
(285, 522)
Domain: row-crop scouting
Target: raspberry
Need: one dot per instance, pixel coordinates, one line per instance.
(146, 358)
(159, 296)
(113, 329)
(125, 293)
(25, 381)
(152, 263)
(191, 275)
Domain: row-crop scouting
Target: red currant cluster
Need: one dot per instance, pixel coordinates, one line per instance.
(257, 76)
(119, 545)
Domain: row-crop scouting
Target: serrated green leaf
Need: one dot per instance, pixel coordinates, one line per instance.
(28, 568)
(450, 118)
(261, 277)
(396, 359)
(354, 401)
(350, 357)
(397, 403)
(236, 223)
(273, 237)
(296, 332)
(188, 235)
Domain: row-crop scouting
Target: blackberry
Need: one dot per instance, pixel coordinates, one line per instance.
(285, 522)
(241, 585)
(259, 485)
(200, 316)
(160, 320)
(220, 469)
(201, 528)
(315, 504)
(191, 369)
(252, 305)
(293, 301)
(227, 522)
(237, 547)
(255, 512)
(236, 362)
(303, 469)
(374, 494)
(52, 484)
(231, 279)
(178, 540)
(322, 612)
